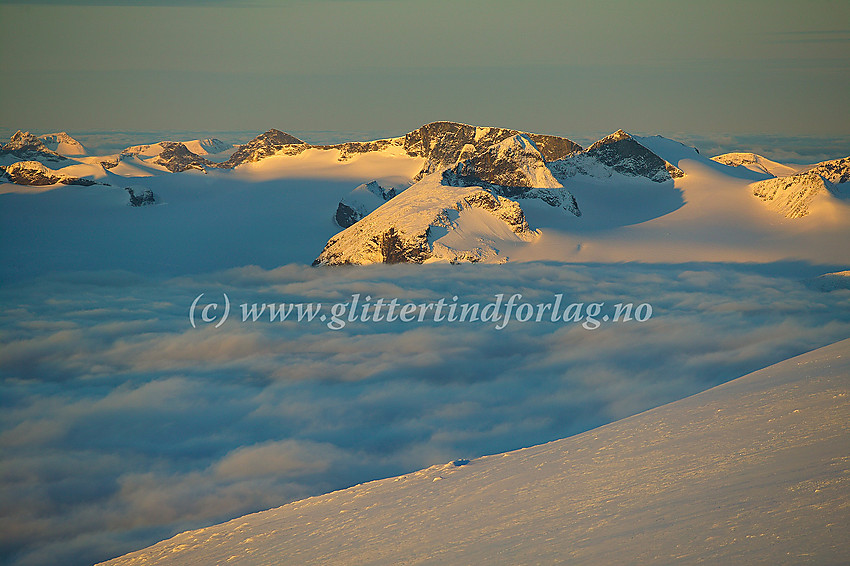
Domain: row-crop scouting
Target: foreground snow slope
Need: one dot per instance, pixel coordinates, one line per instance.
(754, 471)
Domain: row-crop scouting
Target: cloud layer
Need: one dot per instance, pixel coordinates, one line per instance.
(122, 424)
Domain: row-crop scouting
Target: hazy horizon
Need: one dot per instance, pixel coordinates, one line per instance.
(787, 148)
(390, 66)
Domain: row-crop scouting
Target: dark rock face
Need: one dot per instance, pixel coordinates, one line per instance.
(264, 145)
(443, 144)
(146, 198)
(176, 157)
(623, 154)
(395, 249)
(513, 169)
(506, 164)
(26, 147)
(346, 216)
(111, 163)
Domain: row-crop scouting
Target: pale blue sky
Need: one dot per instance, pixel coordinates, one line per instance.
(769, 67)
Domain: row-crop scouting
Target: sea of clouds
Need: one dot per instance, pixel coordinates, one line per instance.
(121, 424)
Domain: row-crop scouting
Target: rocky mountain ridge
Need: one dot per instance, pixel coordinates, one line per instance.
(793, 195)
(36, 174)
(24, 146)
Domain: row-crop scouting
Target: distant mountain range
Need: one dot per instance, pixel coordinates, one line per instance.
(464, 199)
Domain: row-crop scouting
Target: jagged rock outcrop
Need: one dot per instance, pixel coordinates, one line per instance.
(146, 198)
(265, 145)
(23, 146)
(467, 169)
(792, 196)
(176, 157)
(35, 173)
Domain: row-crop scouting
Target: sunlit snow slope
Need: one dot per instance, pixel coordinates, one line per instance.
(755, 471)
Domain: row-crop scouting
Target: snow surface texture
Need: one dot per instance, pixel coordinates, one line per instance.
(754, 471)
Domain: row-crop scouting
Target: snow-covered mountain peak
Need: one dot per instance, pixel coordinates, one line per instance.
(444, 144)
(27, 147)
(836, 171)
(757, 163)
(624, 154)
(63, 144)
(512, 162)
(793, 195)
(176, 157)
(619, 135)
(213, 145)
(517, 145)
(431, 222)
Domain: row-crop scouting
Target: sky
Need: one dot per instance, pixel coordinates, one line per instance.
(389, 66)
